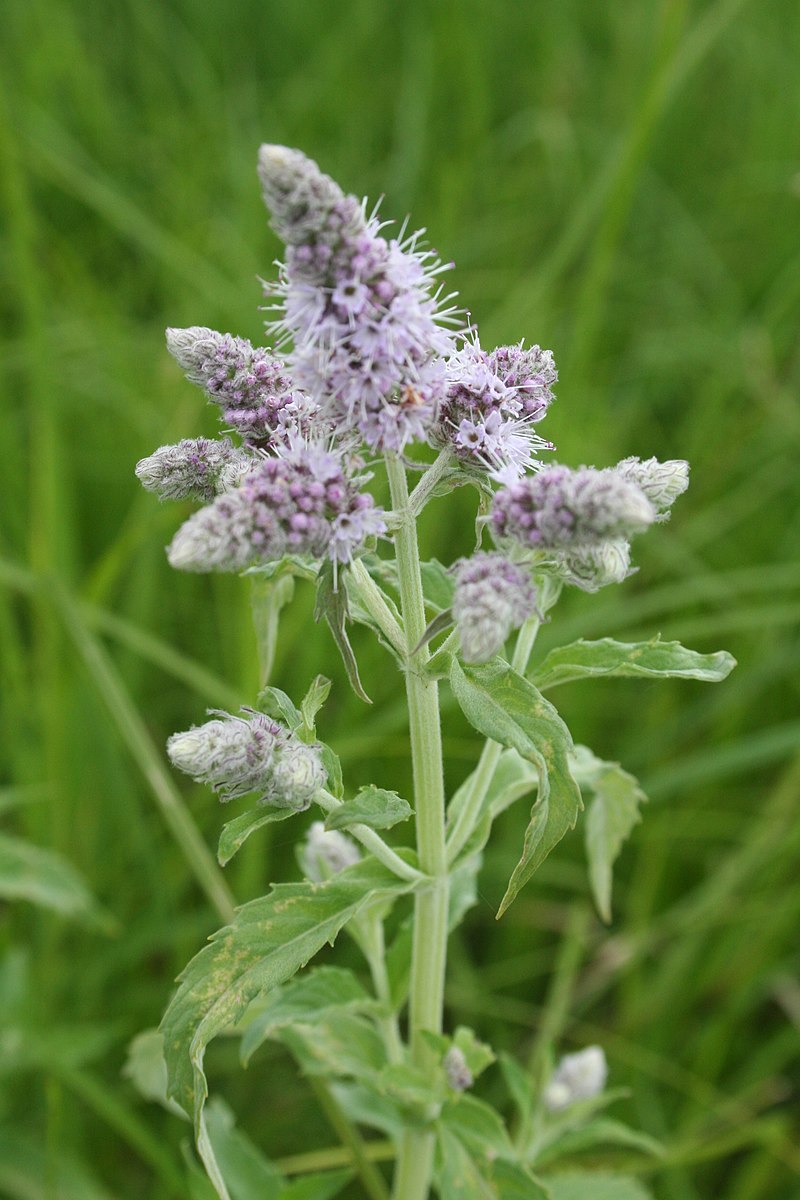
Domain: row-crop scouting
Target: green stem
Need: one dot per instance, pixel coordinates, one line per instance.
(429, 952)
(373, 842)
(377, 607)
(470, 811)
(374, 947)
(371, 1178)
(426, 486)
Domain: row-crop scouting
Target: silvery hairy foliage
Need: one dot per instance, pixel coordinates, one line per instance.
(369, 361)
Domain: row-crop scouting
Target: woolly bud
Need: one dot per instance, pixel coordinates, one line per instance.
(492, 597)
(236, 755)
(304, 503)
(661, 482)
(594, 566)
(195, 468)
(302, 201)
(326, 852)
(458, 1074)
(578, 1076)
(251, 386)
(558, 509)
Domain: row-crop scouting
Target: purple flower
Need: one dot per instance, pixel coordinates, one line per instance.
(236, 755)
(196, 468)
(560, 509)
(255, 395)
(492, 597)
(492, 401)
(304, 503)
(661, 482)
(362, 311)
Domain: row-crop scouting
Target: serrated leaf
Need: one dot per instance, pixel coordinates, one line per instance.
(236, 832)
(308, 998)
(372, 806)
(604, 1131)
(247, 1173)
(43, 877)
(580, 1185)
(606, 657)
(312, 702)
(331, 603)
(508, 709)
(611, 816)
(268, 941)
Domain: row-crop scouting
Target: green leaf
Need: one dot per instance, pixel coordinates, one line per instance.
(312, 702)
(308, 998)
(519, 1083)
(477, 1055)
(507, 708)
(513, 778)
(316, 1187)
(276, 704)
(332, 605)
(267, 598)
(669, 660)
(268, 941)
(604, 1131)
(344, 1045)
(236, 832)
(610, 818)
(581, 1185)
(146, 1068)
(332, 764)
(412, 1088)
(29, 872)
(478, 1126)
(372, 806)
(513, 1182)
(360, 612)
(457, 1173)
(366, 1106)
(247, 1174)
(438, 585)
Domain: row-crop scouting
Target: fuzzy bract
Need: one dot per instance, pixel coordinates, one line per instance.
(596, 564)
(305, 503)
(195, 468)
(661, 482)
(492, 596)
(559, 509)
(363, 312)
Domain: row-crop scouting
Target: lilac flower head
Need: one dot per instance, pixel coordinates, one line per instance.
(661, 482)
(196, 468)
(595, 564)
(579, 1076)
(255, 395)
(456, 1069)
(491, 404)
(236, 755)
(492, 597)
(326, 852)
(368, 343)
(304, 503)
(559, 509)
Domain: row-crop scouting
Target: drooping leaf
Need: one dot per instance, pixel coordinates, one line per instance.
(580, 1185)
(247, 1173)
(359, 610)
(268, 941)
(267, 598)
(146, 1068)
(611, 815)
(606, 657)
(236, 832)
(331, 604)
(513, 778)
(371, 806)
(508, 709)
(308, 998)
(43, 877)
(312, 702)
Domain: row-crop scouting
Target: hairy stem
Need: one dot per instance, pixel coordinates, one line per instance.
(372, 841)
(429, 952)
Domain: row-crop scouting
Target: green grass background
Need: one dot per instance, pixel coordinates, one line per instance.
(619, 182)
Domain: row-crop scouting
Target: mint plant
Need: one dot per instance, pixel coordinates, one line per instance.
(372, 361)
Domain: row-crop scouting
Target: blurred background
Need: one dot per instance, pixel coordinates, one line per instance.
(620, 183)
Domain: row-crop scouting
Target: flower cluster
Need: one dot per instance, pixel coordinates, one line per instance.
(361, 310)
(492, 401)
(304, 503)
(492, 597)
(236, 755)
(326, 852)
(579, 1076)
(255, 395)
(196, 468)
(560, 509)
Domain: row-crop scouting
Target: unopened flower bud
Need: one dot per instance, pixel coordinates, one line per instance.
(492, 597)
(661, 482)
(302, 201)
(579, 1076)
(326, 852)
(594, 566)
(196, 468)
(298, 772)
(458, 1074)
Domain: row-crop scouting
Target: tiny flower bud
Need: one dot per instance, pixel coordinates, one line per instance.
(298, 772)
(459, 1076)
(594, 566)
(558, 509)
(196, 468)
(492, 597)
(661, 482)
(578, 1076)
(326, 852)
